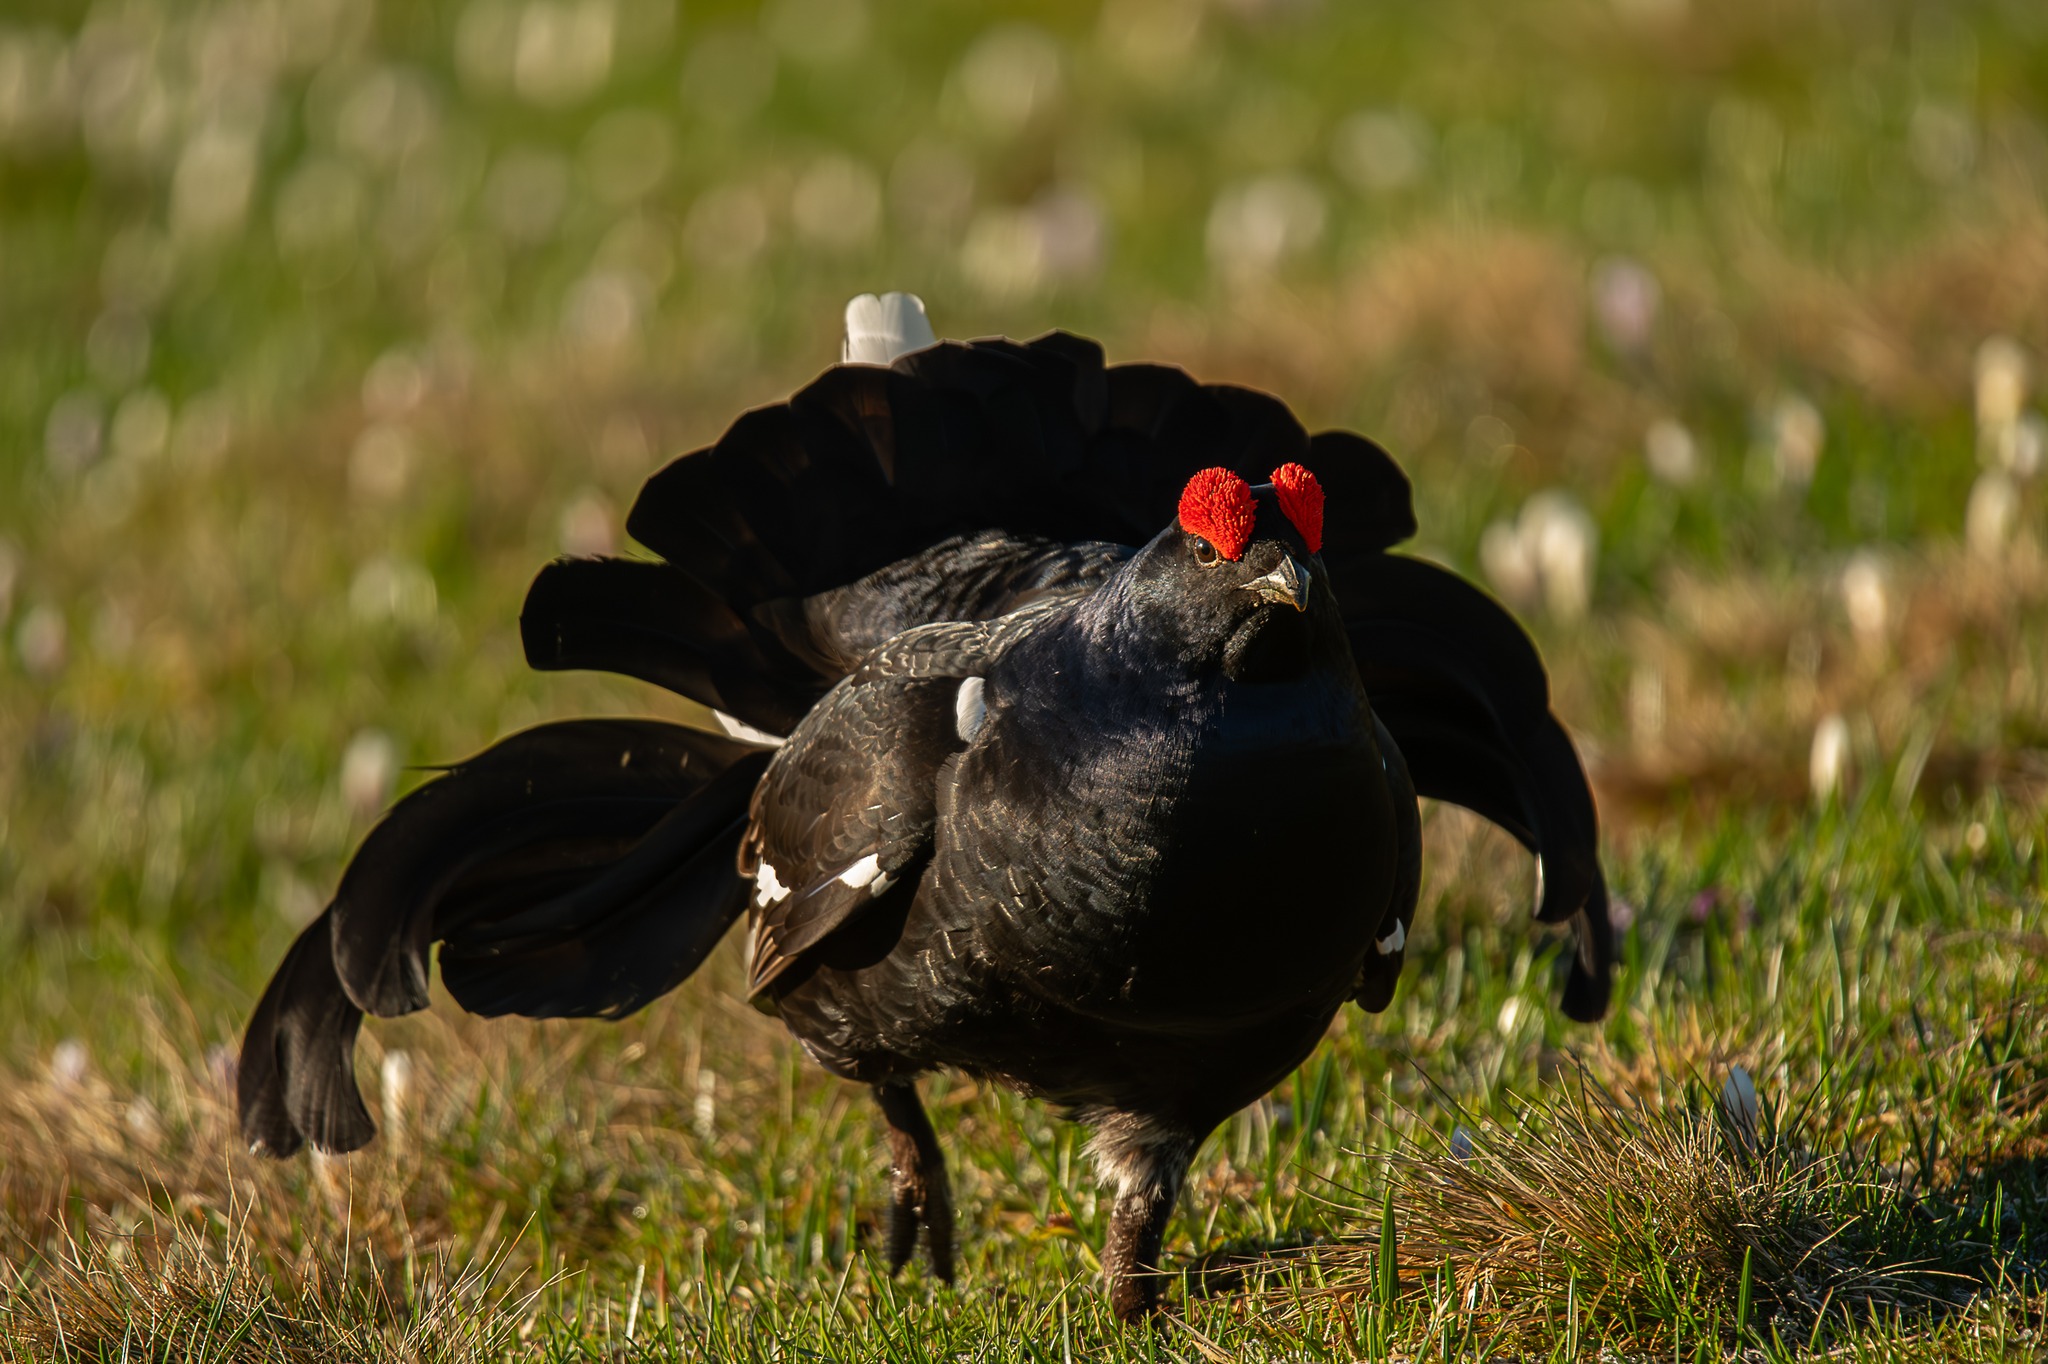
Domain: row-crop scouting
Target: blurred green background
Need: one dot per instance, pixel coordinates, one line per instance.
(1705, 330)
(1710, 334)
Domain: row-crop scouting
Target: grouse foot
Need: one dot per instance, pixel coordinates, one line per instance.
(1147, 1161)
(919, 1195)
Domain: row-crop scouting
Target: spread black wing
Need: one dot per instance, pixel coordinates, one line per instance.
(841, 825)
(581, 868)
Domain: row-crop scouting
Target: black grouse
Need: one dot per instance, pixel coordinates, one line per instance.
(1106, 713)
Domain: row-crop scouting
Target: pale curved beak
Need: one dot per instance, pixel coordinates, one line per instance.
(1288, 583)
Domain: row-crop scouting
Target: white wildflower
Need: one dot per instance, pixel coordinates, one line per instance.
(1828, 758)
(1867, 600)
(369, 772)
(1993, 509)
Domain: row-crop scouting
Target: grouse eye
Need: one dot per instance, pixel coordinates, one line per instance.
(1205, 553)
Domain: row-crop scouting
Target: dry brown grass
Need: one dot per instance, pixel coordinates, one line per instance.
(1425, 329)
(1652, 1217)
(123, 1197)
(1946, 703)
(169, 1289)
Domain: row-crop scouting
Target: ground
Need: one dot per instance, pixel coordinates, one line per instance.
(1704, 331)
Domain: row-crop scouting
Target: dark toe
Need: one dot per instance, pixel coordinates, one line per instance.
(902, 1232)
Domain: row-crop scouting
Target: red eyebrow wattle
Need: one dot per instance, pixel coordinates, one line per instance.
(1217, 505)
(1301, 499)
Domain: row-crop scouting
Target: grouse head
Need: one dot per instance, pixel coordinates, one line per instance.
(1236, 578)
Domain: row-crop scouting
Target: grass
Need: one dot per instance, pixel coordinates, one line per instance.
(1666, 1221)
(275, 469)
(202, 1297)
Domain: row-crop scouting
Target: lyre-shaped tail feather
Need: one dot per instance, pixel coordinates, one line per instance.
(575, 869)
(1462, 689)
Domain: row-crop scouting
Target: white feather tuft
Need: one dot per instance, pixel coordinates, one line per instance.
(737, 728)
(397, 1073)
(970, 709)
(1829, 755)
(880, 329)
(1740, 1109)
(862, 872)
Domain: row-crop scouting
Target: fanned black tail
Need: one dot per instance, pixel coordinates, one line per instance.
(575, 869)
(1009, 452)
(868, 467)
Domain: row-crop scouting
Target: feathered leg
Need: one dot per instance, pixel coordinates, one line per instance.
(1147, 1162)
(919, 1195)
